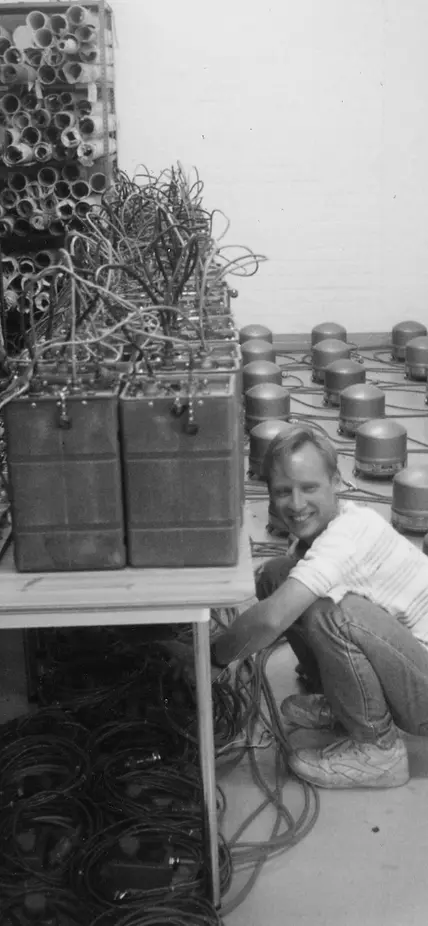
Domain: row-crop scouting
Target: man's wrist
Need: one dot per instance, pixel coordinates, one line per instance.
(215, 660)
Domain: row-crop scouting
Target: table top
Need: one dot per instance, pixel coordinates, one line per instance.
(127, 595)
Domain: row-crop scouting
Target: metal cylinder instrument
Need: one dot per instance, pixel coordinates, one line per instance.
(338, 375)
(358, 404)
(327, 331)
(403, 333)
(267, 401)
(257, 349)
(324, 353)
(380, 448)
(416, 358)
(260, 438)
(409, 510)
(260, 371)
(255, 332)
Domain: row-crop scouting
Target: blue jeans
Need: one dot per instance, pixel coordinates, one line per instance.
(372, 670)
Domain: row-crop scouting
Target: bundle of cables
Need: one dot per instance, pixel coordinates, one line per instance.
(193, 911)
(162, 792)
(40, 835)
(251, 855)
(32, 764)
(43, 905)
(48, 722)
(93, 689)
(132, 863)
(113, 813)
(141, 277)
(155, 742)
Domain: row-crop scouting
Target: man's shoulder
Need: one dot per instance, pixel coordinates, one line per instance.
(354, 519)
(352, 511)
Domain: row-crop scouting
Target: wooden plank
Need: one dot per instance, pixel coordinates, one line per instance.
(13, 620)
(125, 590)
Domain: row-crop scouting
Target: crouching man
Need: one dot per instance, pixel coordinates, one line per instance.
(353, 603)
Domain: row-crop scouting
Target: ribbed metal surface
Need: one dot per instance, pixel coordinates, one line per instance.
(66, 481)
(410, 500)
(338, 375)
(328, 330)
(324, 353)
(416, 358)
(260, 371)
(260, 438)
(205, 467)
(380, 447)
(266, 401)
(358, 404)
(257, 349)
(253, 332)
(401, 334)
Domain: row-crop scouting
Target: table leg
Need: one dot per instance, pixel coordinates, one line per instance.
(201, 641)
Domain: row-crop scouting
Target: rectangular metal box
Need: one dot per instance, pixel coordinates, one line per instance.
(65, 481)
(183, 490)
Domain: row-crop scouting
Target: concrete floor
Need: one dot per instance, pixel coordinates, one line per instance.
(365, 861)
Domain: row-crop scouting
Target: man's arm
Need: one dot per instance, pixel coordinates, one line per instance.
(263, 623)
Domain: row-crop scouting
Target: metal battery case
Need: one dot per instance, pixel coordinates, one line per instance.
(182, 453)
(65, 478)
(217, 358)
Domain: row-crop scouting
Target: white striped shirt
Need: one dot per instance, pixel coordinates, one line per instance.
(360, 552)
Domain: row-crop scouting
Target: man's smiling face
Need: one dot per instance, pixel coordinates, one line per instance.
(304, 492)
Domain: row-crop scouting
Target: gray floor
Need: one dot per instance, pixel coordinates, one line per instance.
(365, 861)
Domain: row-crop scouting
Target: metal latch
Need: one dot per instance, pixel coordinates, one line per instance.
(64, 417)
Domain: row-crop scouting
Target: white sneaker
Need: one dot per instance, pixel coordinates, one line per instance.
(348, 764)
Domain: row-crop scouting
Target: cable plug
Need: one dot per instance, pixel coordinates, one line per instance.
(178, 407)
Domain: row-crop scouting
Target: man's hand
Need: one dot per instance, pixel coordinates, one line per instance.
(182, 660)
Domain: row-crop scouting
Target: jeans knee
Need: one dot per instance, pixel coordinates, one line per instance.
(321, 614)
(324, 616)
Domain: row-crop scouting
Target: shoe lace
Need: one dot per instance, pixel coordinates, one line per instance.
(339, 747)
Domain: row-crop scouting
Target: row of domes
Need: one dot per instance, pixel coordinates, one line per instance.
(380, 443)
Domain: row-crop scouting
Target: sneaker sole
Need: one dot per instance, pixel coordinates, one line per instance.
(387, 780)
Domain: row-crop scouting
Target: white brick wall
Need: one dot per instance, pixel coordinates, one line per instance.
(308, 122)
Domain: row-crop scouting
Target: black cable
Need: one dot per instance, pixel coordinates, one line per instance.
(189, 911)
(175, 850)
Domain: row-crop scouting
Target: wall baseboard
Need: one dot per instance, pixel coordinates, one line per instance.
(369, 340)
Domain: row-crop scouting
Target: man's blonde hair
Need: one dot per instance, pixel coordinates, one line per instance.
(284, 445)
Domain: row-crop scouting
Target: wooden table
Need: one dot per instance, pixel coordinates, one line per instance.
(140, 596)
